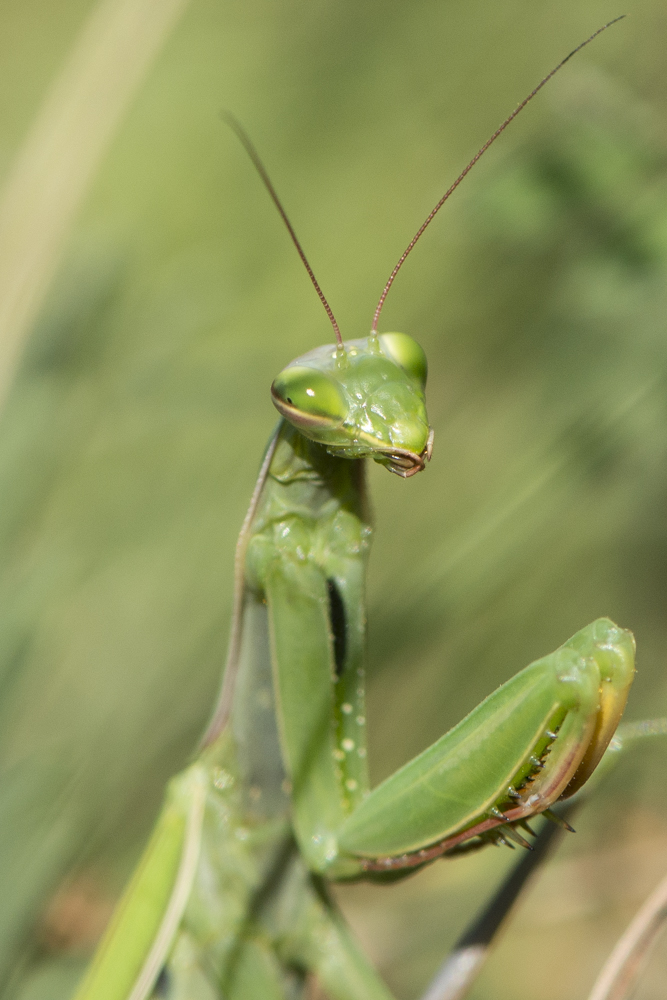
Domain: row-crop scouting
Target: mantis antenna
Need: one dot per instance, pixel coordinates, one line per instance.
(246, 142)
(501, 128)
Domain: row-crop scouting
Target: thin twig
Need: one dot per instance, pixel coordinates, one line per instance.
(464, 963)
(623, 967)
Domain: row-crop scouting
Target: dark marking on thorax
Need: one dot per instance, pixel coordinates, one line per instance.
(338, 622)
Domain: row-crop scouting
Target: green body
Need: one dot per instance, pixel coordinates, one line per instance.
(230, 900)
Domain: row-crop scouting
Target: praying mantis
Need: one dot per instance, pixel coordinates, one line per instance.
(230, 897)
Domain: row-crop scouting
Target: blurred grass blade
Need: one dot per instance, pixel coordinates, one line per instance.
(52, 171)
(618, 978)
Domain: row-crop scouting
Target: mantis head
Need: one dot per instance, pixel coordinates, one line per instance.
(365, 400)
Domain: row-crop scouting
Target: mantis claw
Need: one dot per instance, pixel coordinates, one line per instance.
(512, 834)
(498, 815)
(558, 820)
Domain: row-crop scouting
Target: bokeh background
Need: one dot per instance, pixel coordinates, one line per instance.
(131, 437)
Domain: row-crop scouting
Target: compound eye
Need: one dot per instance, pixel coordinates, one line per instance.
(308, 397)
(407, 353)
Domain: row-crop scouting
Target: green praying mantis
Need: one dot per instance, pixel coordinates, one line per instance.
(230, 899)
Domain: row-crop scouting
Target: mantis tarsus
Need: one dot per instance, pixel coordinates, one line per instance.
(230, 897)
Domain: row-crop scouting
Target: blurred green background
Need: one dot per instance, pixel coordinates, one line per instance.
(133, 433)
